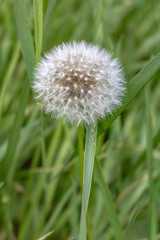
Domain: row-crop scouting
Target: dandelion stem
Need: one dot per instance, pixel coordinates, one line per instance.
(81, 153)
(89, 155)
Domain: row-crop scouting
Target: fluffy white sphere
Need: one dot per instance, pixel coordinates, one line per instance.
(80, 82)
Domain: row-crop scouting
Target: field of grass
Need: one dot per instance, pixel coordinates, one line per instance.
(41, 158)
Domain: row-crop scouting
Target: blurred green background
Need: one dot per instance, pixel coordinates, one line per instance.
(40, 184)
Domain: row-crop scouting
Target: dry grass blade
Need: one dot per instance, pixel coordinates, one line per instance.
(46, 235)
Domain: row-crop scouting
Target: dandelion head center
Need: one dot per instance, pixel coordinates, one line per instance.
(77, 83)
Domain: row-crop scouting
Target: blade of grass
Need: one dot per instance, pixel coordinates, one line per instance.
(24, 35)
(27, 47)
(52, 184)
(38, 11)
(39, 191)
(74, 205)
(30, 181)
(133, 88)
(15, 133)
(8, 76)
(5, 51)
(111, 212)
(150, 162)
(89, 155)
(52, 149)
(28, 54)
(43, 146)
(38, 15)
(6, 173)
(54, 143)
(48, 14)
(27, 221)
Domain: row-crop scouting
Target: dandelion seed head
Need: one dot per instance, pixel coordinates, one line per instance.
(80, 82)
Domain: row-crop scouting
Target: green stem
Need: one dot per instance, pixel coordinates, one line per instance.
(81, 153)
(38, 15)
(43, 142)
(81, 161)
(89, 155)
(150, 162)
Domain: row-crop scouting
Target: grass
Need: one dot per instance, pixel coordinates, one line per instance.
(150, 160)
(41, 160)
(89, 155)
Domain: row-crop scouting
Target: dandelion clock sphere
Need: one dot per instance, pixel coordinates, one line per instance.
(80, 82)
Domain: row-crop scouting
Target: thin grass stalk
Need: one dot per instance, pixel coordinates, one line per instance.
(28, 54)
(30, 181)
(58, 211)
(38, 17)
(28, 51)
(15, 134)
(150, 162)
(25, 36)
(50, 187)
(43, 141)
(49, 13)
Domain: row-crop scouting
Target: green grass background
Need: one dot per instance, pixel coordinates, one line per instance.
(40, 173)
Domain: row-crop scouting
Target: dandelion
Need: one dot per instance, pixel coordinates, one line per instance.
(79, 82)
